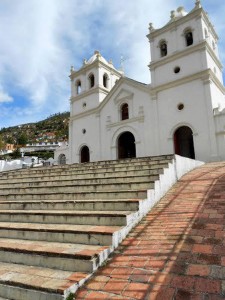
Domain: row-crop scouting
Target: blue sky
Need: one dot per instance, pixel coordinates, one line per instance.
(41, 39)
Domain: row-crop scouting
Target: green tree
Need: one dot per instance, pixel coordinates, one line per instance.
(2, 144)
(22, 139)
(10, 140)
(16, 154)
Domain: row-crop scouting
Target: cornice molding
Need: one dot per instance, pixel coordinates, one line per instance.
(96, 64)
(195, 13)
(188, 50)
(203, 75)
(171, 25)
(217, 82)
(84, 94)
(220, 132)
(125, 122)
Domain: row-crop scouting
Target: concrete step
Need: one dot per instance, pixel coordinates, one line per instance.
(86, 175)
(78, 182)
(51, 195)
(91, 174)
(108, 164)
(82, 170)
(20, 282)
(62, 233)
(106, 218)
(60, 256)
(104, 205)
(72, 188)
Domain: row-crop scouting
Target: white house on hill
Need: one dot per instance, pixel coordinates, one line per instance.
(181, 111)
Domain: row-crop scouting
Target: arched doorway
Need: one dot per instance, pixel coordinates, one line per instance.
(183, 142)
(62, 159)
(84, 154)
(126, 145)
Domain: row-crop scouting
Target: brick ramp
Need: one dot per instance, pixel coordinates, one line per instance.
(177, 251)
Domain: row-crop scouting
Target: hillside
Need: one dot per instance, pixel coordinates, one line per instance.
(52, 129)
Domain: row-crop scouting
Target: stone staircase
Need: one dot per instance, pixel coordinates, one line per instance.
(58, 224)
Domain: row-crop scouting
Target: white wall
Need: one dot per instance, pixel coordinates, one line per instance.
(10, 165)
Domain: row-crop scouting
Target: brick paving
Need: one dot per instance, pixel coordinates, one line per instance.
(177, 251)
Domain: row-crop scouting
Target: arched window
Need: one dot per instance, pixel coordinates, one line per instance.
(78, 87)
(91, 80)
(163, 48)
(206, 34)
(105, 80)
(124, 111)
(188, 37)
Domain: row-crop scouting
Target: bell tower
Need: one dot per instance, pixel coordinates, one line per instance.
(91, 83)
(186, 47)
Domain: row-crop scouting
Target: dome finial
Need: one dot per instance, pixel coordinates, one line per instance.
(71, 69)
(198, 4)
(98, 54)
(172, 14)
(151, 27)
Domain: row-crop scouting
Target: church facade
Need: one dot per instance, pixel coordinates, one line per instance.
(181, 111)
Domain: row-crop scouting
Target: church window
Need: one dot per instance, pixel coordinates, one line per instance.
(176, 70)
(105, 80)
(206, 33)
(188, 37)
(124, 112)
(180, 106)
(78, 87)
(163, 48)
(91, 80)
(213, 45)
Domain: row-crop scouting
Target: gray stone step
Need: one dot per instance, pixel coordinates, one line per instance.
(122, 194)
(60, 256)
(20, 282)
(82, 170)
(67, 217)
(63, 233)
(79, 182)
(87, 175)
(104, 205)
(72, 188)
(80, 174)
(20, 291)
(107, 164)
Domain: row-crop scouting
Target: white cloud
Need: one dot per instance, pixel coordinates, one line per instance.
(41, 39)
(4, 97)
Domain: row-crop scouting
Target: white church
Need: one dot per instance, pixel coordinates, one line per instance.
(181, 111)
